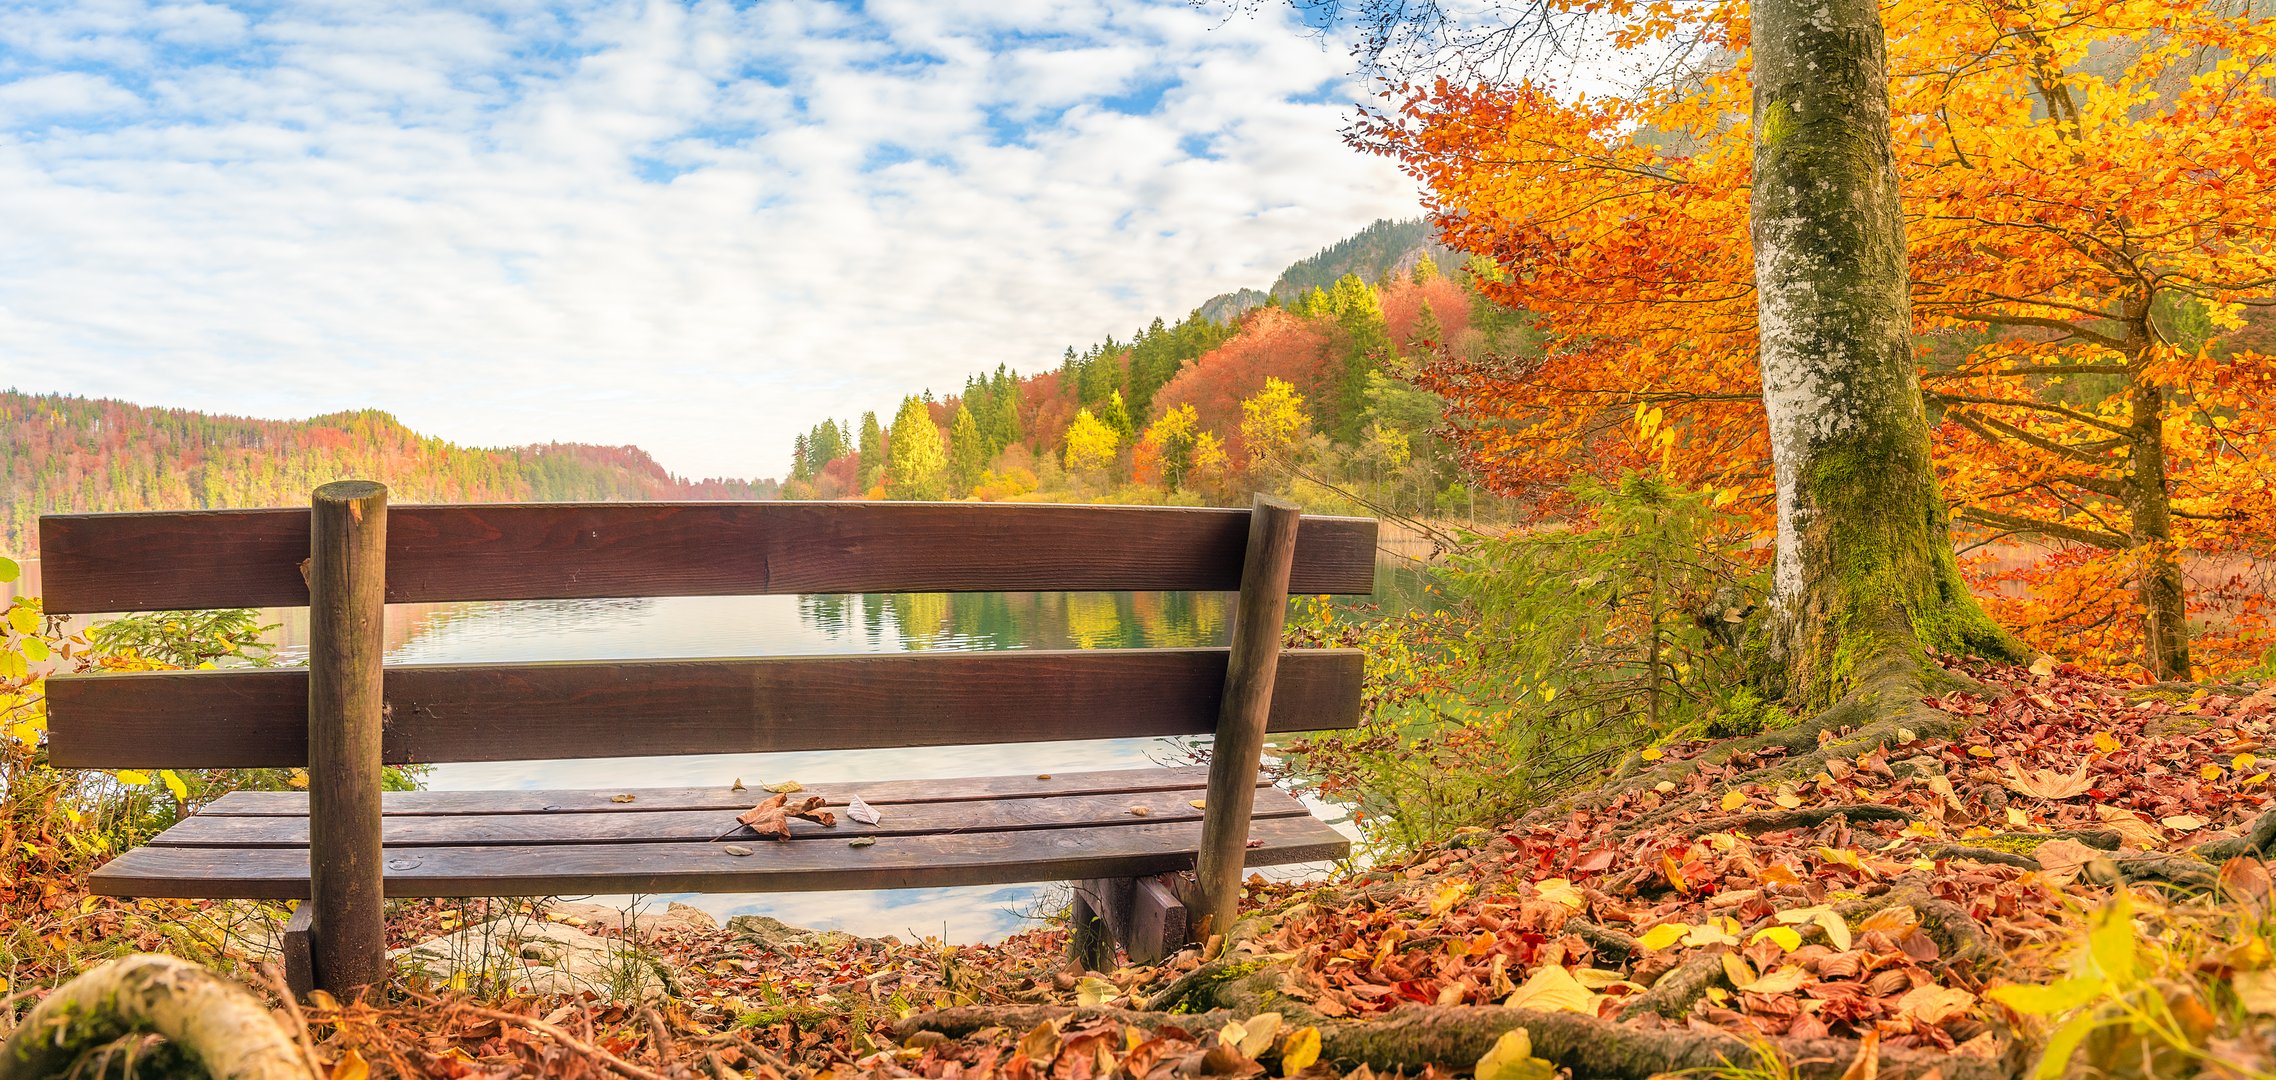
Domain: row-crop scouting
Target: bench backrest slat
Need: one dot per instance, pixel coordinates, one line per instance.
(489, 712)
(251, 558)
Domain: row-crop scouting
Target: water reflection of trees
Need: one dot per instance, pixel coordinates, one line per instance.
(972, 621)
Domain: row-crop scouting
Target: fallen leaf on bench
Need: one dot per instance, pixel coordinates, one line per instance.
(1199, 804)
(769, 819)
(737, 849)
(1043, 776)
(1256, 843)
(622, 798)
(861, 811)
(785, 788)
(1141, 811)
(738, 784)
(862, 841)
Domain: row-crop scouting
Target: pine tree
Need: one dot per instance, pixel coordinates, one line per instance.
(967, 453)
(872, 450)
(1428, 336)
(801, 468)
(1426, 270)
(1367, 344)
(1117, 416)
(916, 465)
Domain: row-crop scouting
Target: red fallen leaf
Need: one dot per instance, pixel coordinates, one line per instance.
(1594, 861)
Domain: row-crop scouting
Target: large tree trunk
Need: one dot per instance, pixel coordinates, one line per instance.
(1865, 577)
(2165, 615)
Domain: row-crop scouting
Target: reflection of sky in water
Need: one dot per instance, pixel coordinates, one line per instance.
(791, 625)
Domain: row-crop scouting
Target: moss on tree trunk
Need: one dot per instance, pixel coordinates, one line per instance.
(1865, 577)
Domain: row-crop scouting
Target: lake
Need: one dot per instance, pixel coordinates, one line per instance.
(793, 625)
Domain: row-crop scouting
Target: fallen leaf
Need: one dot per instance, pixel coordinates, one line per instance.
(1041, 1044)
(351, 1066)
(2047, 783)
(1090, 991)
(622, 798)
(2044, 666)
(1511, 1058)
(2183, 822)
(1299, 1050)
(1553, 989)
(2136, 830)
(1733, 799)
(1787, 979)
(861, 811)
(784, 788)
(1141, 811)
(770, 818)
(736, 849)
(1785, 937)
(1933, 1004)
(1198, 804)
(2064, 858)
(862, 841)
(1259, 1032)
(2256, 991)
(1560, 891)
(1663, 935)
(738, 785)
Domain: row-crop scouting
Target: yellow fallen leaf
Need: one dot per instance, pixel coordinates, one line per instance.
(1785, 980)
(1787, 800)
(1786, 937)
(1299, 1050)
(1664, 786)
(1652, 754)
(1448, 897)
(1511, 1058)
(2017, 817)
(2241, 762)
(1553, 989)
(1559, 890)
(1663, 935)
(1734, 799)
(351, 1066)
(1736, 969)
(1259, 1032)
(2183, 822)
(2210, 772)
(1979, 751)
(2105, 742)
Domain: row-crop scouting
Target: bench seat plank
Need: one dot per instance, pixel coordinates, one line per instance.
(727, 797)
(1136, 848)
(624, 826)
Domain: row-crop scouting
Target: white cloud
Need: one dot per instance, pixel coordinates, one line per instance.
(695, 228)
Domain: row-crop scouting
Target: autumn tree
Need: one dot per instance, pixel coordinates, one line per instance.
(2056, 257)
(916, 465)
(1169, 446)
(1273, 427)
(1091, 444)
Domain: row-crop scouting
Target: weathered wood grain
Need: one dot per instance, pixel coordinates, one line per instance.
(342, 702)
(626, 825)
(494, 712)
(554, 551)
(725, 797)
(898, 862)
(1252, 670)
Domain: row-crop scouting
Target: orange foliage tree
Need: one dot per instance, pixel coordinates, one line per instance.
(2088, 203)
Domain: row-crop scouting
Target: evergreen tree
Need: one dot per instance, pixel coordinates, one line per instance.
(1366, 346)
(1001, 422)
(1117, 416)
(916, 465)
(967, 453)
(1428, 336)
(1426, 270)
(800, 467)
(828, 444)
(872, 449)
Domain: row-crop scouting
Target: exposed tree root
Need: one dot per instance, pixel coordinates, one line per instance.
(2259, 840)
(206, 1016)
(1678, 990)
(1773, 820)
(1416, 1036)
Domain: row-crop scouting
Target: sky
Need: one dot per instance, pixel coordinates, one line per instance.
(694, 227)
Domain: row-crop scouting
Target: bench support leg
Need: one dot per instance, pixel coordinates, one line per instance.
(1092, 943)
(295, 950)
(1259, 616)
(1144, 914)
(347, 607)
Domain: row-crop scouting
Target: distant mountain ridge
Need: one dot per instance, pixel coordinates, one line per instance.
(62, 454)
(1386, 247)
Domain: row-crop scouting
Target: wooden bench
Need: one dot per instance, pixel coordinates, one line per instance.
(344, 715)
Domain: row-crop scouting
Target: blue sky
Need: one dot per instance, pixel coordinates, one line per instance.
(694, 227)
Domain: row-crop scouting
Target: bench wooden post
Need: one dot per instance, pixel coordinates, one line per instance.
(347, 598)
(1258, 619)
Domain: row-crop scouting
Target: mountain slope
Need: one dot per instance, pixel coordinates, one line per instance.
(64, 454)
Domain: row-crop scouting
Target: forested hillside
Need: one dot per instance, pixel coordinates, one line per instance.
(61, 453)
